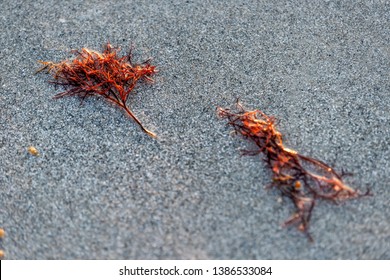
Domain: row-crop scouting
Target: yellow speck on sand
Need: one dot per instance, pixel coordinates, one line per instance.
(33, 151)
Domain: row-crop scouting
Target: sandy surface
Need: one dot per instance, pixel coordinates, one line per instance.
(102, 189)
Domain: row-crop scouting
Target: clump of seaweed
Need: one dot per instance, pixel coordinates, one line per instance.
(105, 74)
(300, 178)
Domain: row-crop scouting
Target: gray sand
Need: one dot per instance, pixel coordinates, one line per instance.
(102, 189)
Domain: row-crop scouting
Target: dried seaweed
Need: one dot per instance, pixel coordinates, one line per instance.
(302, 179)
(105, 74)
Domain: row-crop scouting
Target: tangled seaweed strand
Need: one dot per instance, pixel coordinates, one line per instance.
(103, 74)
(300, 178)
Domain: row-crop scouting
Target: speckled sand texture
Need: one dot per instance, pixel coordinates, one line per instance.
(102, 189)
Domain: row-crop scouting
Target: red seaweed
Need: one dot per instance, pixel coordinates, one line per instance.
(105, 74)
(302, 179)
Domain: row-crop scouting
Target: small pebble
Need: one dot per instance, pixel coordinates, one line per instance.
(33, 151)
